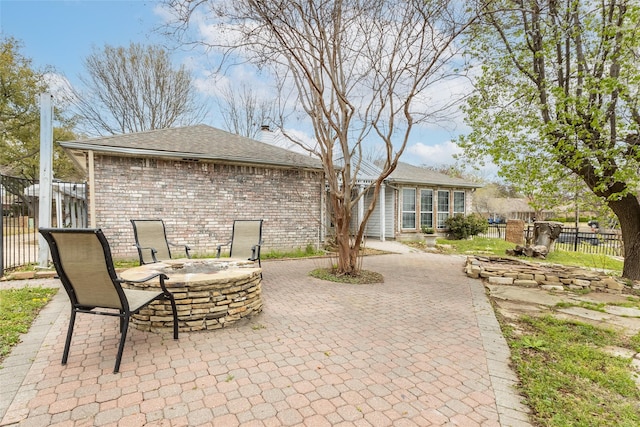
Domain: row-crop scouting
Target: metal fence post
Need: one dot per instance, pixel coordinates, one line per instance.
(2, 197)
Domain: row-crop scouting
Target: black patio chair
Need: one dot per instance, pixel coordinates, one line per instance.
(246, 240)
(82, 258)
(151, 241)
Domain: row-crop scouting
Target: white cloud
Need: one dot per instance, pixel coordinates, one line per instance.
(61, 89)
(420, 154)
(432, 155)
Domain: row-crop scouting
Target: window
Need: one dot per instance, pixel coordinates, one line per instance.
(458, 202)
(443, 208)
(426, 208)
(409, 208)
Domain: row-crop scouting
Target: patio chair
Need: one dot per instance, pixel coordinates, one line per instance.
(151, 241)
(82, 258)
(246, 239)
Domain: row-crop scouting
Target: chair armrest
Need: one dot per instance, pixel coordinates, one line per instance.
(186, 248)
(162, 276)
(219, 248)
(255, 252)
(153, 251)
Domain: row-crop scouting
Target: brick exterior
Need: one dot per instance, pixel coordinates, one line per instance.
(198, 202)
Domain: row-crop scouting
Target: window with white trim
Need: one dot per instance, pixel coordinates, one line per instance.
(409, 208)
(443, 208)
(426, 208)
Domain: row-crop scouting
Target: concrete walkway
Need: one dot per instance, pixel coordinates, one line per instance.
(424, 348)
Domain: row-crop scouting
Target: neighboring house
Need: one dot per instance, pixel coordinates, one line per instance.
(413, 197)
(69, 200)
(199, 179)
(500, 209)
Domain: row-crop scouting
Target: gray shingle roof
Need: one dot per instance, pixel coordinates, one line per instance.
(196, 142)
(409, 174)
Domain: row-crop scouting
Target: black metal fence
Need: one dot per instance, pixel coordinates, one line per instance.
(572, 239)
(19, 217)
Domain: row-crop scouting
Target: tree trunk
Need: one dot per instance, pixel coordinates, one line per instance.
(347, 249)
(545, 233)
(627, 210)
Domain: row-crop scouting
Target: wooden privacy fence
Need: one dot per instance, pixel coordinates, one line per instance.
(19, 216)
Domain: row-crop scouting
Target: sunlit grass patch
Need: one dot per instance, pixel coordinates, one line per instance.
(567, 377)
(18, 308)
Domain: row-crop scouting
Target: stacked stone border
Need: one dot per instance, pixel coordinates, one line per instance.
(553, 277)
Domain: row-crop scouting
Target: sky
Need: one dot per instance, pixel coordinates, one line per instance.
(61, 33)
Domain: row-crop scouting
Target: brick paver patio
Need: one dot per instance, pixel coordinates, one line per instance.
(421, 349)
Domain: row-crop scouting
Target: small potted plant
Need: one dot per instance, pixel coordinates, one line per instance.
(429, 236)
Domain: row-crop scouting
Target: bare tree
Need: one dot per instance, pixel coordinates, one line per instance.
(135, 89)
(244, 112)
(361, 70)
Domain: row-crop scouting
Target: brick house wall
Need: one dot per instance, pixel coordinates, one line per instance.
(198, 201)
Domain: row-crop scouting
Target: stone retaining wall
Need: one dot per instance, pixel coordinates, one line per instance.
(506, 271)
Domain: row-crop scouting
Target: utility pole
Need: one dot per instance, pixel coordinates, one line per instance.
(46, 174)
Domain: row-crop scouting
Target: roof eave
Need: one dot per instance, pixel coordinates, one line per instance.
(442, 184)
(175, 155)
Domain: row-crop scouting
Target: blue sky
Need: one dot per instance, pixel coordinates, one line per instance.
(61, 33)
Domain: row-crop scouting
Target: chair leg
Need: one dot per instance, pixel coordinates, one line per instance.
(123, 337)
(175, 315)
(122, 315)
(67, 343)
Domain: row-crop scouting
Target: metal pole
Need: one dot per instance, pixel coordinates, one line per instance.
(2, 193)
(46, 174)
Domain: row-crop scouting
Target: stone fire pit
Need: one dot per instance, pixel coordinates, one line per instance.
(209, 293)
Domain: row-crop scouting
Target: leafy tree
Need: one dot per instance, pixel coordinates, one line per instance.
(135, 89)
(359, 70)
(558, 94)
(20, 87)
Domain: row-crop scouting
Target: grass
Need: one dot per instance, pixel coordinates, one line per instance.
(18, 308)
(486, 246)
(567, 377)
(309, 251)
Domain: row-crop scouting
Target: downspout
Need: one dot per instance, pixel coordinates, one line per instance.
(360, 206)
(92, 191)
(383, 218)
(323, 220)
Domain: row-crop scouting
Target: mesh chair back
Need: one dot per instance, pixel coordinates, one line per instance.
(246, 234)
(84, 264)
(150, 233)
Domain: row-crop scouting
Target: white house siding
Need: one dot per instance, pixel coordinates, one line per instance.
(198, 201)
(390, 213)
(373, 225)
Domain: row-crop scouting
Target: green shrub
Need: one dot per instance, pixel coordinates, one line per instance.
(461, 227)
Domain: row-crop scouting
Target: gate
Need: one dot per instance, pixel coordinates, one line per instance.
(19, 217)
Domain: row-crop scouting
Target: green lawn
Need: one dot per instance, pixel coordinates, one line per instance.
(566, 376)
(486, 246)
(18, 308)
